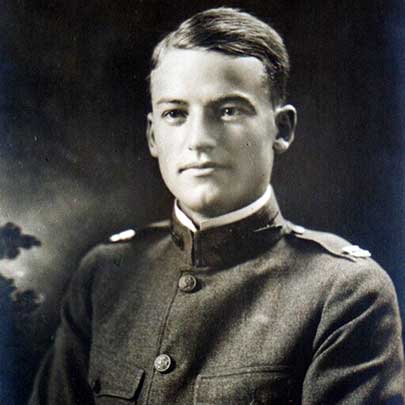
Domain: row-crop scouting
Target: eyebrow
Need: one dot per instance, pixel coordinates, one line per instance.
(171, 101)
(236, 98)
(219, 100)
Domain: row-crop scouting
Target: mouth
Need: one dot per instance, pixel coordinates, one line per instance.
(201, 168)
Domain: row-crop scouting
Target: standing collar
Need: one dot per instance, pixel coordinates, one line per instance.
(233, 242)
(227, 218)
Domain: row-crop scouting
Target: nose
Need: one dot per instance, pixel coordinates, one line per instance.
(201, 135)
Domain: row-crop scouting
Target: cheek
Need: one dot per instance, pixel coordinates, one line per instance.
(163, 145)
(168, 158)
(168, 140)
(256, 156)
(254, 145)
(166, 162)
(168, 173)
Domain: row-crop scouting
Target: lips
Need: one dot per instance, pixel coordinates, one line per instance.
(200, 166)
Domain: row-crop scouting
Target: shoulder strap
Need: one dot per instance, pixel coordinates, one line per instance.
(129, 234)
(335, 245)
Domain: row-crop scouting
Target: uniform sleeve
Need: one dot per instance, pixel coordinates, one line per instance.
(358, 353)
(62, 377)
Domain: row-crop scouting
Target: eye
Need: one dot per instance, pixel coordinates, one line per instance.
(174, 116)
(231, 113)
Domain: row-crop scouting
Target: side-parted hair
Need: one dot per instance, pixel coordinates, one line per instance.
(232, 32)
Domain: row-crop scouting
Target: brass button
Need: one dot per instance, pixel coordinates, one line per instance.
(162, 363)
(187, 283)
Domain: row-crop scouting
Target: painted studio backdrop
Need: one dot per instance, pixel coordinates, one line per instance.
(75, 168)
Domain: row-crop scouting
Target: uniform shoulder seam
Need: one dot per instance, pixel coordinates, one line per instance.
(333, 244)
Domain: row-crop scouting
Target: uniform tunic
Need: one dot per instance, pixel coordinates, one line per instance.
(255, 312)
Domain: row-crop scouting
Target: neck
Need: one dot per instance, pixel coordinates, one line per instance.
(201, 221)
(200, 217)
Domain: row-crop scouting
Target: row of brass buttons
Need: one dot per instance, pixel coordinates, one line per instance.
(187, 283)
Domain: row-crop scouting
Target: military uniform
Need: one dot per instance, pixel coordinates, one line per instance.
(255, 312)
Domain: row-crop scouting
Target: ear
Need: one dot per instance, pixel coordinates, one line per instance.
(286, 121)
(151, 136)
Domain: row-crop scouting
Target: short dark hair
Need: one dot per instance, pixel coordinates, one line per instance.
(233, 32)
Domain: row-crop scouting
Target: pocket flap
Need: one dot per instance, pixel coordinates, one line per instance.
(262, 384)
(113, 377)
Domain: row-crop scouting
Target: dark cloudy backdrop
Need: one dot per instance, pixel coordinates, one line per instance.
(73, 160)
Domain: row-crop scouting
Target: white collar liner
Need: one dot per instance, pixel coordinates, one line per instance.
(224, 219)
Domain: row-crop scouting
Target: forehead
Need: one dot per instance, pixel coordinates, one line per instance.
(185, 74)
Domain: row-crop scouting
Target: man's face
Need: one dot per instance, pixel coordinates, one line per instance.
(212, 128)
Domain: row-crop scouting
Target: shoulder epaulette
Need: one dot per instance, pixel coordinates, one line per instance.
(123, 236)
(129, 234)
(335, 245)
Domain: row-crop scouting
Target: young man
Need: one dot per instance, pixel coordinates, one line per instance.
(228, 303)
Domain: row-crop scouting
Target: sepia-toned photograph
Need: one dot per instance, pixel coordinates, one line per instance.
(202, 202)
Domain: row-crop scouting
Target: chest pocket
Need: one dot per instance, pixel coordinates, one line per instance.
(113, 380)
(261, 385)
